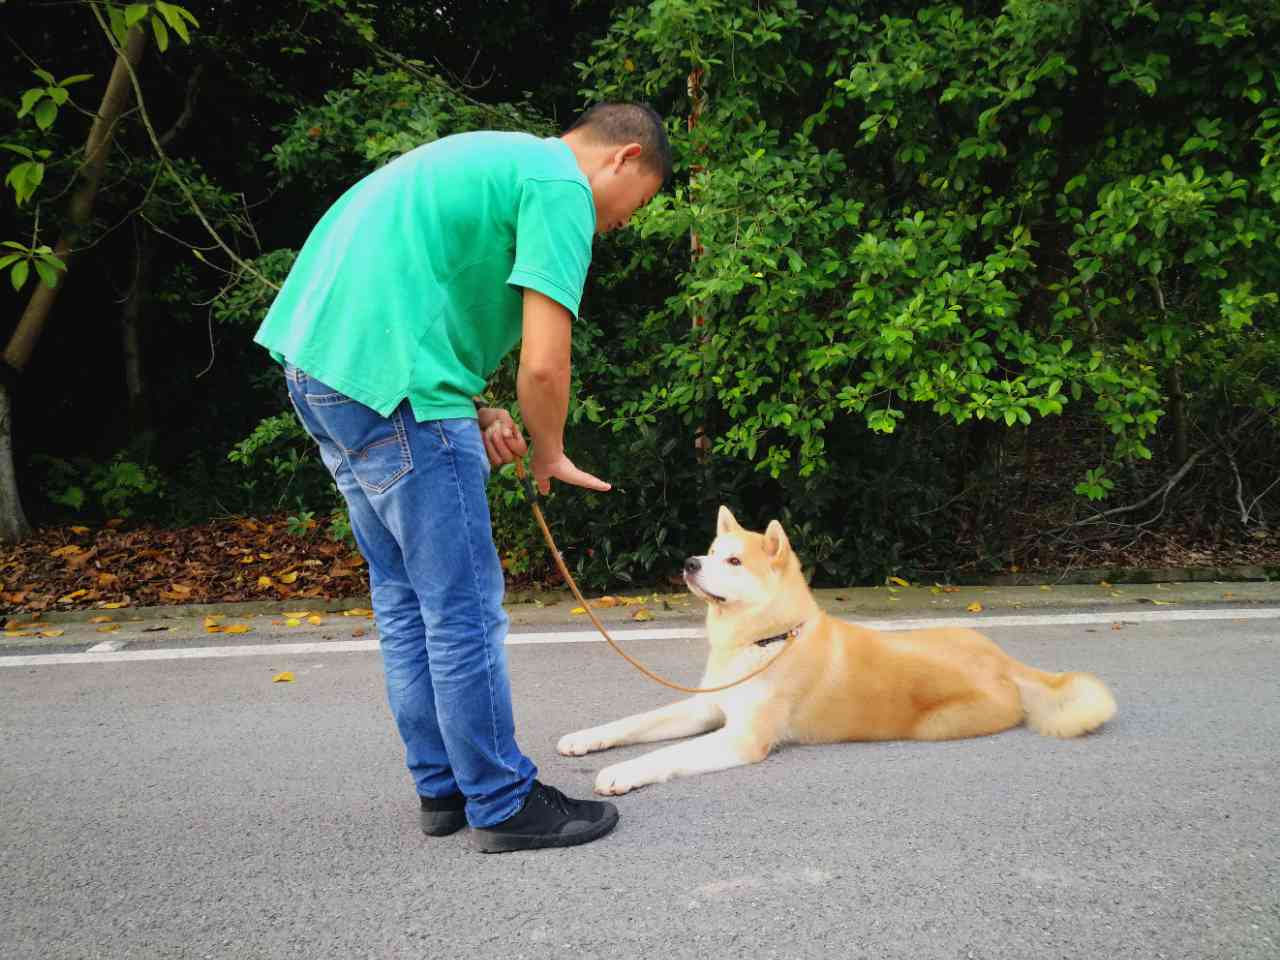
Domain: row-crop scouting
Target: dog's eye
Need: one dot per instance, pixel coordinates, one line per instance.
(734, 562)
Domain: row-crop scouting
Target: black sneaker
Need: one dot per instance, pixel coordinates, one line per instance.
(548, 819)
(443, 815)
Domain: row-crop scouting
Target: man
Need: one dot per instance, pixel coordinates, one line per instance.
(401, 303)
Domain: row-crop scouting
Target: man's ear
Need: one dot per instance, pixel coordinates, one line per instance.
(625, 152)
(725, 521)
(776, 545)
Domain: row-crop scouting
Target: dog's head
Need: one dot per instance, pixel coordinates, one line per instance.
(741, 569)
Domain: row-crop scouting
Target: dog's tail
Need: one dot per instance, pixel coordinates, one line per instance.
(1063, 704)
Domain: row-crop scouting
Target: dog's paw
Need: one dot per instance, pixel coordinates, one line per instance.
(616, 780)
(582, 742)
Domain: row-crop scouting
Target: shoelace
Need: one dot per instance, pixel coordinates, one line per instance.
(554, 799)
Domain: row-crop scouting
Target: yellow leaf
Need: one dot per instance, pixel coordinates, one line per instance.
(102, 619)
(237, 628)
(629, 65)
(293, 622)
(642, 614)
(357, 612)
(935, 589)
(264, 583)
(974, 607)
(315, 618)
(265, 556)
(297, 614)
(1045, 586)
(212, 628)
(213, 620)
(73, 595)
(52, 633)
(114, 605)
(1103, 583)
(69, 550)
(607, 602)
(578, 610)
(109, 628)
(80, 530)
(285, 677)
(899, 581)
(246, 559)
(287, 577)
(17, 633)
(1014, 568)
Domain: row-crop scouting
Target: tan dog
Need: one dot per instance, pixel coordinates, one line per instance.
(837, 682)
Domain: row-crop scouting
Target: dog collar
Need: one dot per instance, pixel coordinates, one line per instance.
(789, 635)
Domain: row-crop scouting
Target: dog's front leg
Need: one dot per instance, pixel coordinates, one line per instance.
(716, 751)
(681, 719)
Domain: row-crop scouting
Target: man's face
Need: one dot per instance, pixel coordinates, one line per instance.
(622, 188)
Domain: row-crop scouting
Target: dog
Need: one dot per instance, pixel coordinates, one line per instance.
(836, 682)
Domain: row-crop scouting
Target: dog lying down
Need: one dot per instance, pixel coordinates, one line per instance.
(837, 682)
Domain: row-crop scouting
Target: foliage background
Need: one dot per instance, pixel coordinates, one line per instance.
(971, 273)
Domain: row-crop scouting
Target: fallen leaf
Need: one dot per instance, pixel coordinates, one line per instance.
(153, 629)
(265, 556)
(285, 677)
(213, 619)
(606, 601)
(73, 595)
(247, 559)
(237, 628)
(1103, 583)
(103, 619)
(1116, 626)
(69, 550)
(974, 607)
(52, 633)
(316, 619)
(899, 581)
(642, 614)
(109, 628)
(297, 614)
(293, 622)
(950, 589)
(578, 610)
(115, 522)
(264, 583)
(358, 632)
(79, 530)
(1045, 586)
(114, 605)
(180, 587)
(287, 577)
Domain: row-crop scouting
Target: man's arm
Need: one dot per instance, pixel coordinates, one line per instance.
(542, 388)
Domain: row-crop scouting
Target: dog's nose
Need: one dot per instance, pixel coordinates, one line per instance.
(691, 565)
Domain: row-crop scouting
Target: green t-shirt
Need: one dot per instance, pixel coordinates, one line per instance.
(410, 285)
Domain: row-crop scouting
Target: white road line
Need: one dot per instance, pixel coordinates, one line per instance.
(625, 636)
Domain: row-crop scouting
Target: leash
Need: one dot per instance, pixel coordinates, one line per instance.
(535, 500)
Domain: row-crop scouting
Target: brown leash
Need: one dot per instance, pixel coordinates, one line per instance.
(535, 500)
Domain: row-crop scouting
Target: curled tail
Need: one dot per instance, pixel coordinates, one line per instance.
(1063, 704)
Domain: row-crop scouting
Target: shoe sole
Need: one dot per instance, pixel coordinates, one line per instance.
(487, 842)
(442, 823)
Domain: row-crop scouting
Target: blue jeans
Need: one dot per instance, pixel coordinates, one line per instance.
(416, 496)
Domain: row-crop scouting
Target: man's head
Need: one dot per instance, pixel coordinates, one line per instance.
(623, 150)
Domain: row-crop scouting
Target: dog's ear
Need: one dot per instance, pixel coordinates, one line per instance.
(776, 544)
(726, 522)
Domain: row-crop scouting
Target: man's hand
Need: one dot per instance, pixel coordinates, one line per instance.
(561, 468)
(503, 441)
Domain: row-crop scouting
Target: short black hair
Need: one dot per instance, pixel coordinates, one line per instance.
(620, 123)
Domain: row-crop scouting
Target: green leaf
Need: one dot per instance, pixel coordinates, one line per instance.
(76, 78)
(47, 274)
(134, 13)
(29, 100)
(171, 14)
(18, 275)
(161, 32)
(18, 149)
(8, 259)
(44, 75)
(46, 112)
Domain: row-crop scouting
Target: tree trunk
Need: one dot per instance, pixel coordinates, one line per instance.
(13, 521)
(131, 323)
(17, 353)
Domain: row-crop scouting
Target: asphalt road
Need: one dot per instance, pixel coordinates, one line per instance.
(191, 808)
